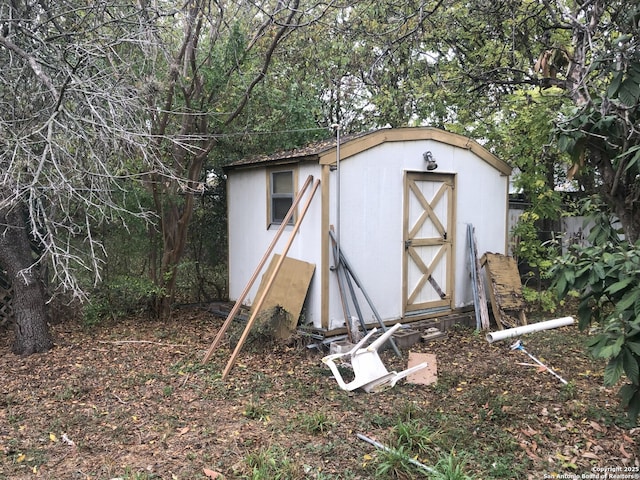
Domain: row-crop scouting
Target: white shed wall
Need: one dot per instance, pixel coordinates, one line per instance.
(371, 229)
(371, 215)
(482, 193)
(249, 237)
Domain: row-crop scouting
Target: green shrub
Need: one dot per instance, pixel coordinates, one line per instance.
(606, 277)
(395, 463)
(413, 436)
(271, 463)
(451, 467)
(122, 296)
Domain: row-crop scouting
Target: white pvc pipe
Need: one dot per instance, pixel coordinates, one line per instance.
(534, 327)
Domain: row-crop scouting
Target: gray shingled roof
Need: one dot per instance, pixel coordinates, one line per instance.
(310, 152)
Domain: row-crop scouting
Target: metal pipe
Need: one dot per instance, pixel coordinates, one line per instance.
(336, 127)
(472, 265)
(518, 346)
(342, 290)
(349, 269)
(387, 449)
(477, 282)
(356, 304)
(534, 327)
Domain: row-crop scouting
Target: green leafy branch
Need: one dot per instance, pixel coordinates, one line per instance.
(606, 276)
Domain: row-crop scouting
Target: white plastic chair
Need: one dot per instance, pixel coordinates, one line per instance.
(370, 373)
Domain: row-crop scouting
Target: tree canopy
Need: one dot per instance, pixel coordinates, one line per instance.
(457, 65)
(71, 123)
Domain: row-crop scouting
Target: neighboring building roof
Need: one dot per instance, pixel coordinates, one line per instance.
(324, 152)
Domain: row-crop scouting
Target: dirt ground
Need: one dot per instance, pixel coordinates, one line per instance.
(132, 400)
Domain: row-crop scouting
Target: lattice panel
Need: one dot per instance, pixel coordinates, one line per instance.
(6, 307)
(6, 303)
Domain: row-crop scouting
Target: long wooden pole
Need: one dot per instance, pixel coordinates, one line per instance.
(256, 307)
(263, 260)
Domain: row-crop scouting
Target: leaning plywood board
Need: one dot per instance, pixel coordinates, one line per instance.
(288, 292)
(505, 290)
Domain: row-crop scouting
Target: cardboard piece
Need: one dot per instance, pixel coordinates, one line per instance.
(288, 291)
(427, 375)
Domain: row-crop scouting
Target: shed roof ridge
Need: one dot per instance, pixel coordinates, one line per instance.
(324, 151)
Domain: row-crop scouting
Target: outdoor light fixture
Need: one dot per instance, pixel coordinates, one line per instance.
(431, 163)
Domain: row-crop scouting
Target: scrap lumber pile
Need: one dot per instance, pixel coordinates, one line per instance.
(505, 290)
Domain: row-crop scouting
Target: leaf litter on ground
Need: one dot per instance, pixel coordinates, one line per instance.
(133, 396)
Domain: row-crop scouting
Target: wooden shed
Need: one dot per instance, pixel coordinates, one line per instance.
(399, 201)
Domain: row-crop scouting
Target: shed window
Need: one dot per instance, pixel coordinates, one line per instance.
(281, 193)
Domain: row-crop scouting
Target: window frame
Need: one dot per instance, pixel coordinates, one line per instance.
(271, 196)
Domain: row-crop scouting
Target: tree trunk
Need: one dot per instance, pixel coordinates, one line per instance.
(174, 205)
(29, 299)
(618, 187)
(175, 227)
(618, 193)
(626, 211)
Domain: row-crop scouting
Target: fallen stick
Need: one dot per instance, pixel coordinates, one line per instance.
(391, 450)
(122, 342)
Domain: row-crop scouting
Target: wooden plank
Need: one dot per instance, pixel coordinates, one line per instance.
(324, 249)
(505, 289)
(288, 291)
(479, 294)
(358, 145)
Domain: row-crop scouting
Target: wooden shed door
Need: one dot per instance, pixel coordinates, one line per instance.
(428, 241)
